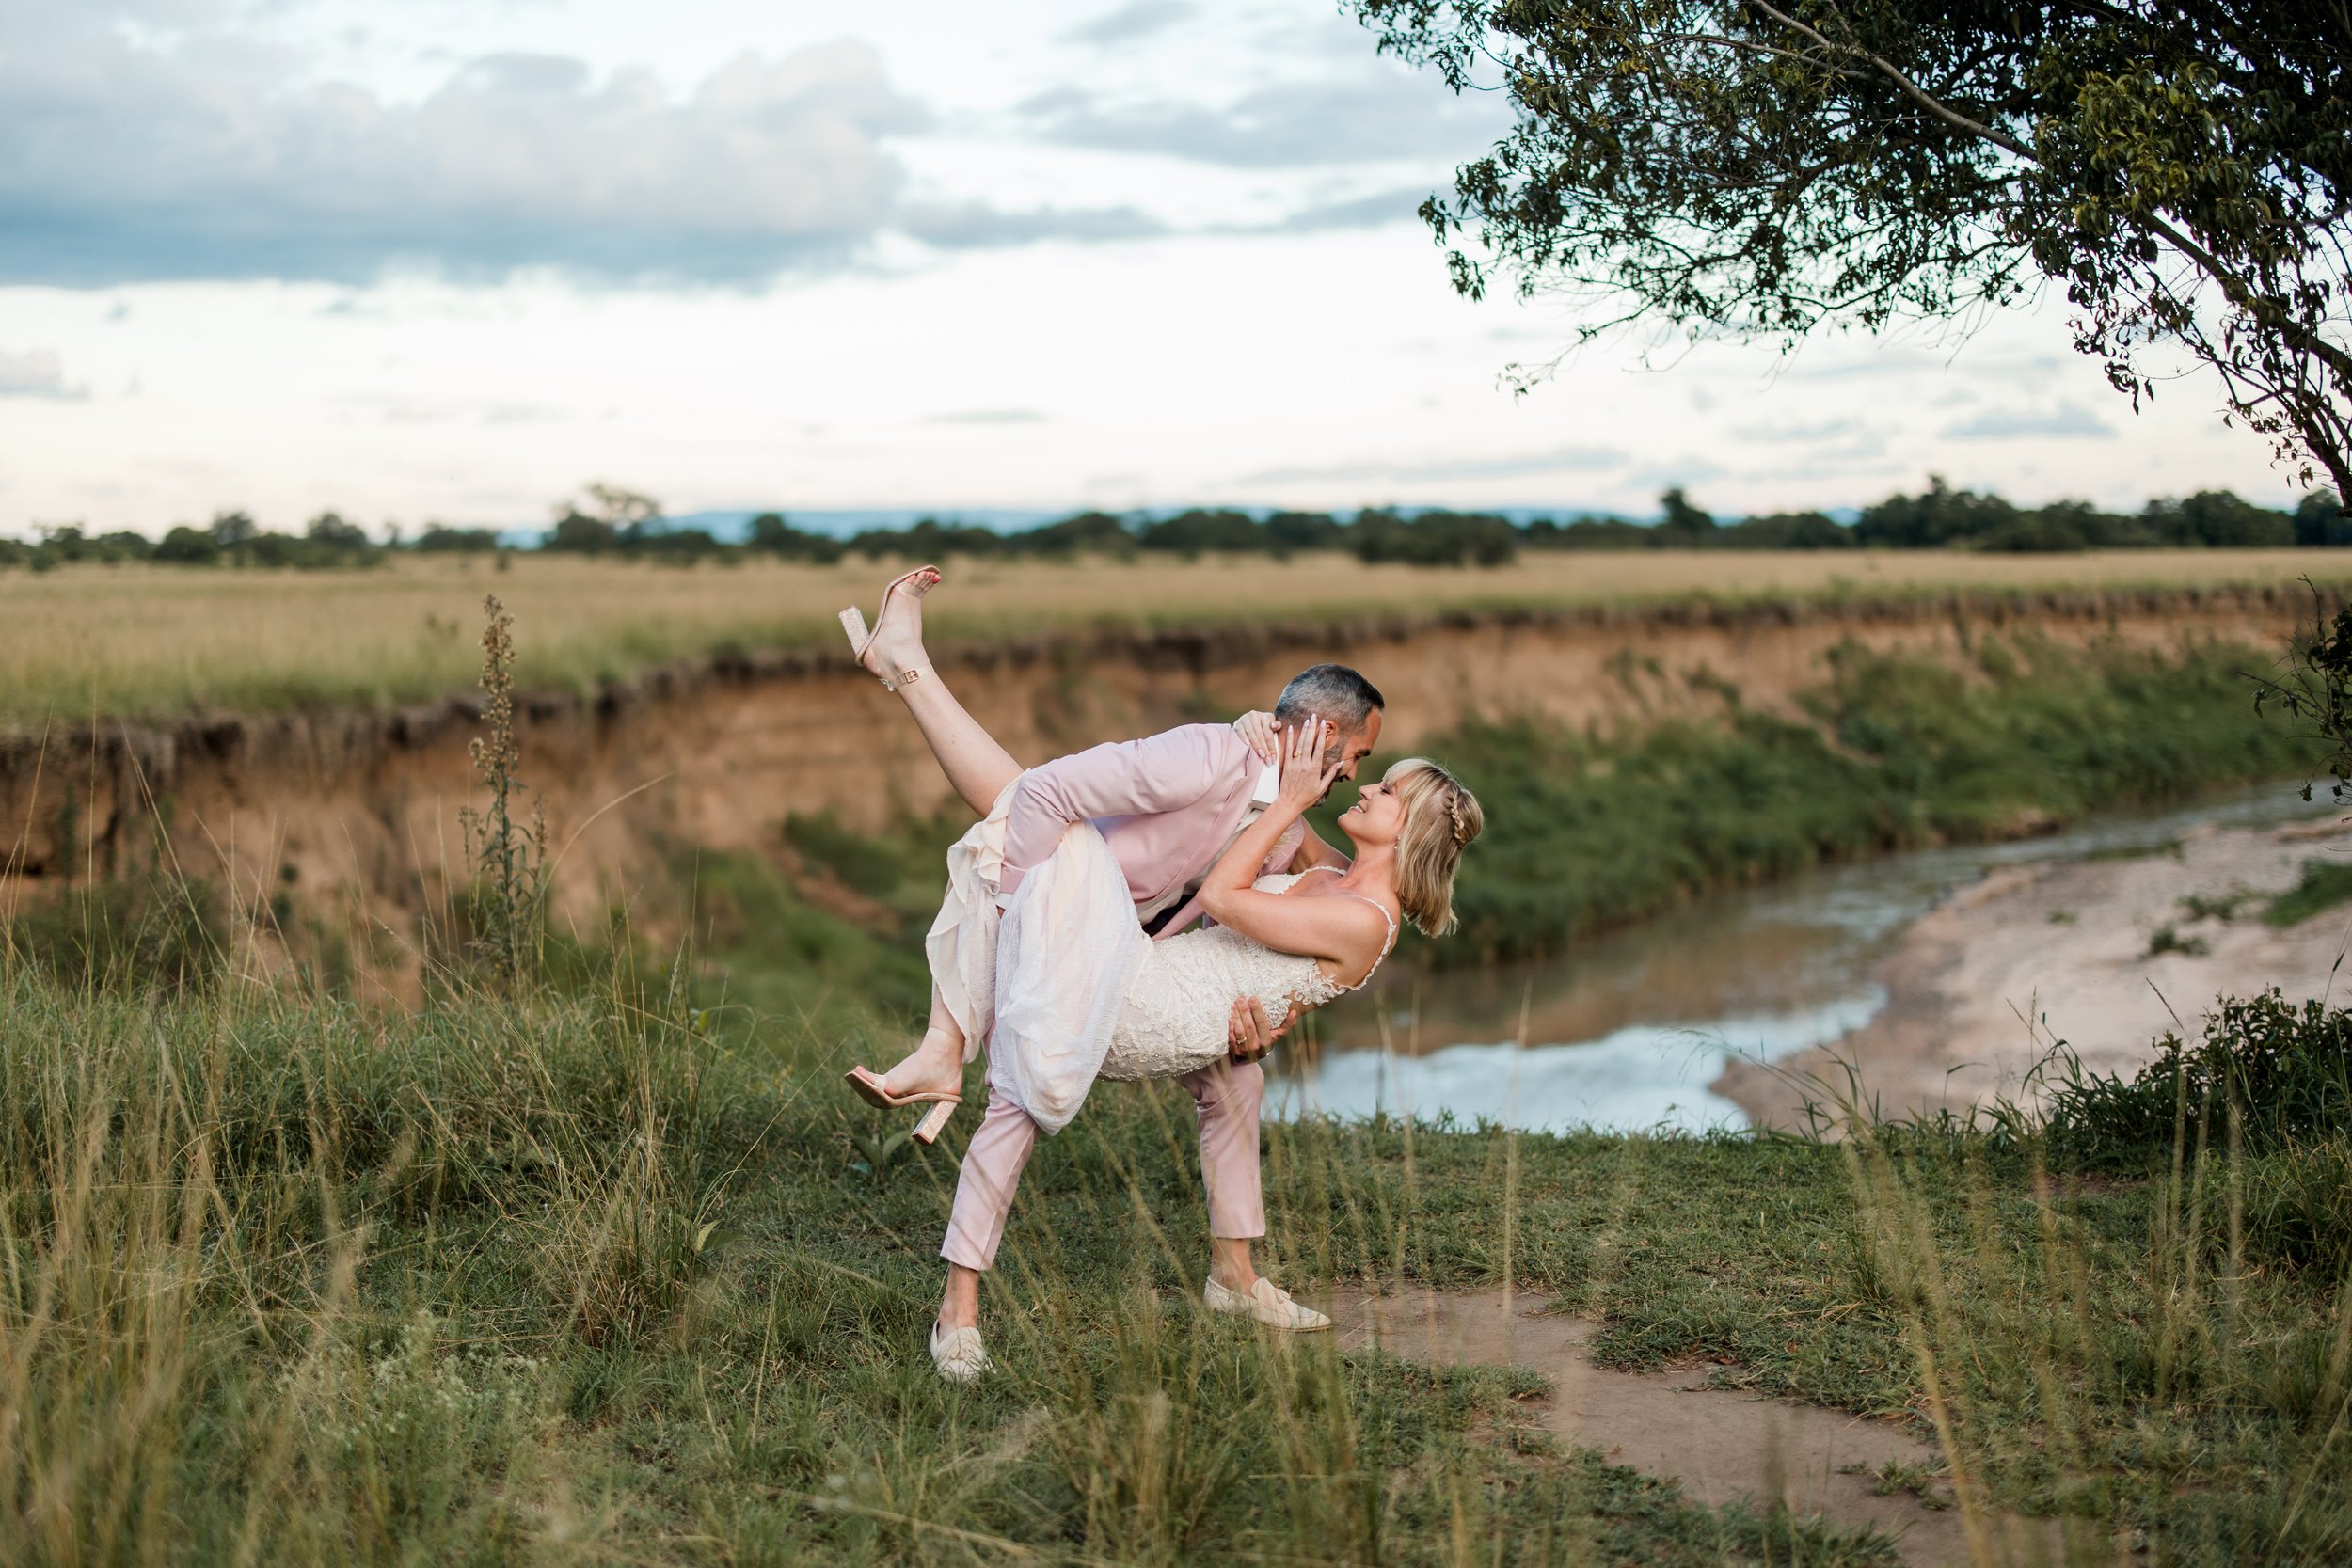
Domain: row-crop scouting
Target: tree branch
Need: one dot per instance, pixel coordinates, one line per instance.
(1928, 100)
(2245, 298)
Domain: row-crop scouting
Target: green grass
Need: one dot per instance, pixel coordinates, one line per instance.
(602, 1278)
(619, 1273)
(2323, 886)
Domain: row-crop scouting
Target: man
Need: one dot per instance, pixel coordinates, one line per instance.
(1167, 806)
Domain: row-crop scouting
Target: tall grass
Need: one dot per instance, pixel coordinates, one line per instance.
(224, 1286)
(131, 642)
(547, 1278)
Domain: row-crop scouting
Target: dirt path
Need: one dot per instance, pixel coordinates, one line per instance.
(2073, 946)
(1718, 1444)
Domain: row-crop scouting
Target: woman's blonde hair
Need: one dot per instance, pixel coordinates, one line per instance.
(1441, 820)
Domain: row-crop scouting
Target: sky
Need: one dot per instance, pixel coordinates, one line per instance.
(453, 259)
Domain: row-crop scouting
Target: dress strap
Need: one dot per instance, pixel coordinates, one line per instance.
(1388, 947)
(1383, 914)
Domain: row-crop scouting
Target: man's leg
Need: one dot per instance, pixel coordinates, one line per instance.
(1226, 1096)
(984, 1188)
(978, 767)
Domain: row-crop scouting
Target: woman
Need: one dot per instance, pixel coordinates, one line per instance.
(1064, 986)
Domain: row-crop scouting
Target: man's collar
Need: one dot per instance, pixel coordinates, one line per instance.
(1269, 785)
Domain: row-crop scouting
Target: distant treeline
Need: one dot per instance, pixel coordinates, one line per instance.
(626, 526)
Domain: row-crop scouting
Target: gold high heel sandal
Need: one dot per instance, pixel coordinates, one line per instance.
(932, 1122)
(917, 582)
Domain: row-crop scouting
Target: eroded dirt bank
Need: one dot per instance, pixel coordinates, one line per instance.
(356, 813)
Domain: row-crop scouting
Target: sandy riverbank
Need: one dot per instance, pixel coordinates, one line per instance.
(2064, 950)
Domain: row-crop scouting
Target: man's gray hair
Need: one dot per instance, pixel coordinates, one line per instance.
(1330, 691)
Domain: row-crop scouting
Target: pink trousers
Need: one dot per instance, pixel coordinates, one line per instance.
(1225, 1096)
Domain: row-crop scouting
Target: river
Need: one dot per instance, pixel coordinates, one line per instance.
(1627, 1032)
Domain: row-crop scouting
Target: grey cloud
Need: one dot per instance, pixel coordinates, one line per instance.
(1399, 205)
(124, 165)
(1820, 431)
(38, 374)
(450, 410)
(976, 225)
(1558, 460)
(1922, 365)
(989, 416)
(2068, 421)
(1685, 471)
(1137, 19)
(1362, 117)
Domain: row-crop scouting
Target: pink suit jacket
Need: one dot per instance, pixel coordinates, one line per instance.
(1167, 804)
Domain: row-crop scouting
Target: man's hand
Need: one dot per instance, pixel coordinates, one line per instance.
(1246, 1032)
(1258, 728)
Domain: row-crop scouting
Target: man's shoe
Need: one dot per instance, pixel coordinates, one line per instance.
(1266, 1302)
(958, 1355)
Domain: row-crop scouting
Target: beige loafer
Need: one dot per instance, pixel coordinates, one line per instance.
(1266, 1302)
(958, 1355)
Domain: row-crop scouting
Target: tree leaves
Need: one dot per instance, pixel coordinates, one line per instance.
(1770, 168)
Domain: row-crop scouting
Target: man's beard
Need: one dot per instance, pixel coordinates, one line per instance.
(1331, 760)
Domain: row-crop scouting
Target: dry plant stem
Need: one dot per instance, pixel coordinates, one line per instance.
(507, 860)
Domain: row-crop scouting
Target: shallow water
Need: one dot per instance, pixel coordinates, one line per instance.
(1627, 1031)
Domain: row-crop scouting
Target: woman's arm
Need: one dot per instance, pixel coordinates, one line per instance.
(1314, 853)
(1346, 931)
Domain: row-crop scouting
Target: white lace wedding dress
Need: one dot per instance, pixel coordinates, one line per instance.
(1064, 986)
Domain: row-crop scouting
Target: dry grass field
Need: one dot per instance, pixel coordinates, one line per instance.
(146, 642)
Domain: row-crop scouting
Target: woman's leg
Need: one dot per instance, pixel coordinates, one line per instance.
(968, 754)
(937, 1064)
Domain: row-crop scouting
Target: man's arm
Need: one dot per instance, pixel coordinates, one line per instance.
(1123, 778)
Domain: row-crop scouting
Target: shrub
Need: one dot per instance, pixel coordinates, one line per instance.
(157, 934)
(188, 546)
(2287, 1069)
(2296, 1203)
(771, 535)
(2324, 886)
(440, 538)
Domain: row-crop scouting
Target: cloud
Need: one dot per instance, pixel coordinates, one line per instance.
(449, 410)
(1139, 19)
(1361, 117)
(976, 225)
(35, 374)
(1557, 460)
(1400, 204)
(989, 416)
(124, 163)
(2067, 422)
(1675, 471)
(1779, 435)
